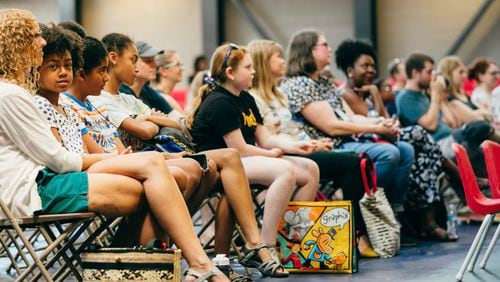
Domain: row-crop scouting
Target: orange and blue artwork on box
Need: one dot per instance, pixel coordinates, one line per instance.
(317, 237)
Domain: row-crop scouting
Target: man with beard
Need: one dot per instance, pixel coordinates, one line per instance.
(420, 101)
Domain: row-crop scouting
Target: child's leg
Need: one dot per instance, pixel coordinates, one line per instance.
(307, 172)
(112, 193)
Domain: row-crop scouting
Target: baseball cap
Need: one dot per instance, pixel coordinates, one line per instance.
(146, 50)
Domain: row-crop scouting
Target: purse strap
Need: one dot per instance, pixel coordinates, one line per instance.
(367, 167)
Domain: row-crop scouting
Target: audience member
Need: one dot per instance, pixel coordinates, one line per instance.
(90, 182)
(486, 74)
(341, 167)
(462, 110)
(364, 99)
(200, 64)
(168, 74)
(225, 115)
(315, 102)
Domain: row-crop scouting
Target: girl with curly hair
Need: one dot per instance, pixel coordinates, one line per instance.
(38, 173)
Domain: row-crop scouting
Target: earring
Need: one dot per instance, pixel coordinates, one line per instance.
(349, 75)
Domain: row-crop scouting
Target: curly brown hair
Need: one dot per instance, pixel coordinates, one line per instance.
(20, 53)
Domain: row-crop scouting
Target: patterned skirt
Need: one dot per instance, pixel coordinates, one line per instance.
(423, 187)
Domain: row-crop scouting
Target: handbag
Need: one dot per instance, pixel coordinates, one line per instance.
(381, 225)
(318, 237)
(138, 264)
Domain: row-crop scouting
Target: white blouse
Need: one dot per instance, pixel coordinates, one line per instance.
(26, 146)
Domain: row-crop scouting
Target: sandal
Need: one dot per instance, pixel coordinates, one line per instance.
(214, 271)
(431, 233)
(236, 277)
(269, 267)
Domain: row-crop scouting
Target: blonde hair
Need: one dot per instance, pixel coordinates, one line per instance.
(20, 54)
(218, 73)
(446, 67)
(194, 88)
(263, 82)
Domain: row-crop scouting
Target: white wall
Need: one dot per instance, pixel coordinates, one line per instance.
(45, 11)
(431, 27)
(172, 24)
(285, 17)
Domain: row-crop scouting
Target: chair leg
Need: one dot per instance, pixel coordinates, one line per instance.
(470, 253)
(490, 248)
(489, 221)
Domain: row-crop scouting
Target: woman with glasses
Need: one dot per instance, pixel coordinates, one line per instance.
(169, 72)
(486, 74)
(316, 103)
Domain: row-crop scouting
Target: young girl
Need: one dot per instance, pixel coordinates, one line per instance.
(343, 168)
(69, 182)
(225, 115)
(236, 201)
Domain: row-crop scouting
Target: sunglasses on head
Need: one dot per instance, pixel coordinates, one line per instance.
(231, 47)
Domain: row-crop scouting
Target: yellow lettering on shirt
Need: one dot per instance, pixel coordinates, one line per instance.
(249, 120)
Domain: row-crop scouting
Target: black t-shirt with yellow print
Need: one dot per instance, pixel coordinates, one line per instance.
(222, 112)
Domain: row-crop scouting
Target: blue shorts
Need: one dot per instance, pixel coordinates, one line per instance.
(63, 193)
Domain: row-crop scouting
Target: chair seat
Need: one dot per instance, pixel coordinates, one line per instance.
(26, 221)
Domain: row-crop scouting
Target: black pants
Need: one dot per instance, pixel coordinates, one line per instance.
(344, 169)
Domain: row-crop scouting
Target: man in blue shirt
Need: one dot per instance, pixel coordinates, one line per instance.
(415, 106)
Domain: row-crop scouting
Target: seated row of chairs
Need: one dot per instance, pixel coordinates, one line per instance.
(60, 236)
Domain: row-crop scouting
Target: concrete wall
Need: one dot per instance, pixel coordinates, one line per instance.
(431, 27)
(285, 17)
(163, 23)
(403, 26)
(45, 11)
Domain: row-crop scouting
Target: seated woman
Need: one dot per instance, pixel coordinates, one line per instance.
(236, 201)
(364, 98)
(225, 116)
(34, 165)
(168, 73)
(342, 168)
(461, 110)
(486, 74)
(315, 102)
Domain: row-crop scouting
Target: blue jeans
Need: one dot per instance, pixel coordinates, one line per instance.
(392, 165)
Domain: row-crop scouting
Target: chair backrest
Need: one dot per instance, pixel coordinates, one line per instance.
(472, 193)
(492, 159)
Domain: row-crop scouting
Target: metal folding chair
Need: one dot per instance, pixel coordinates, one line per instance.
(61, 233)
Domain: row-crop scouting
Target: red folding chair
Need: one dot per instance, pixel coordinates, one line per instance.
(492, 158)
(478, 203)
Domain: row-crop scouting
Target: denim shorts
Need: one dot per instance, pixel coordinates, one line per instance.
(63, 193)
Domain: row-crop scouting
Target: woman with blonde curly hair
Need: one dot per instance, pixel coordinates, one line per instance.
(37, 173)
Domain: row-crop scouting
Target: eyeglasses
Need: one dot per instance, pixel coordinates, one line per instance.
(172, 65)
(231, 47)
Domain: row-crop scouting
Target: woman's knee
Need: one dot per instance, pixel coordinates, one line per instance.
(286, 171)
(388, 153)
(152, 161)
(406, 151)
